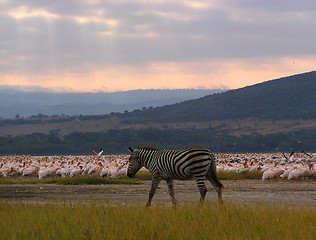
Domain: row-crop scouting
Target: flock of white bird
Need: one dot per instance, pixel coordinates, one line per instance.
(64, 166)
(274, 165)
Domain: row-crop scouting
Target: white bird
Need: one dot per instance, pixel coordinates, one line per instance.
(76, 171)
(268, 174)
(294, 174)
(286, 173)
(105, 172)
(122, 171)
(113, 172)
(29, 171)
(98, 154)
(96, 170)
(254, 168)
(47, 171)
(43, 172)
(5, 171)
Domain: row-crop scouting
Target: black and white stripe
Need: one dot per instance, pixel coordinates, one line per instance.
(197, 163)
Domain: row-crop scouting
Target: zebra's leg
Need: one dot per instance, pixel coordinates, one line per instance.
(201, 185)
(211, 175)
(154, 184)
(171, 190)
(216, 184)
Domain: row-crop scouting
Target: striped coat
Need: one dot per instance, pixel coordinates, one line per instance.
(184, 164)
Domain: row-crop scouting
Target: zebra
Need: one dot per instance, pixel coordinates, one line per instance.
(184, 164)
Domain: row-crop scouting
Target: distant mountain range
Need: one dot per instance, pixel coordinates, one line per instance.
(16, 102)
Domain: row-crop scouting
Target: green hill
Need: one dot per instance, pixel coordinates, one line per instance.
(288, 98)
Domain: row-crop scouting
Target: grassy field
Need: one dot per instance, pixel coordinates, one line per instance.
(70, 181)
(187, 221)
(239, 176)
(223, 175)
(246, 126)
(122, 180)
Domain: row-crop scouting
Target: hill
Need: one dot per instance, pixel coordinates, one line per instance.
(25, 102)
(289, 98)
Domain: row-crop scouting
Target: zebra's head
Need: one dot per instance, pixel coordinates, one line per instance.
(134, 163)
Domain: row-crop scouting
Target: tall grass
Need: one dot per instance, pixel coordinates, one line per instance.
(187, 221)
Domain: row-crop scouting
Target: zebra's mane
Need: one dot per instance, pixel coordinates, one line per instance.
(148, 148)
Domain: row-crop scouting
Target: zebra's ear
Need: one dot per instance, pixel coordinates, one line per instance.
(130, 149)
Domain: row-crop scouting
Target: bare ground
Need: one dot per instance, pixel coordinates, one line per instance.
(241, 191)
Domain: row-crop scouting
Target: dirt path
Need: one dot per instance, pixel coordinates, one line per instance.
(242, 191)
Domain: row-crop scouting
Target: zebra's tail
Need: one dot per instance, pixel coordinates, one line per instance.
(212, 172)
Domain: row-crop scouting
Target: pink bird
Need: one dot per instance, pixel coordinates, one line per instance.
(29, 171)
(294, 174)
(96, 171)
(45, 172)
(113, 171)
(268, 174)
(76, 171)
(6, 171)
(105, 172)
(286, 174)
(254, 168)
(122, 171)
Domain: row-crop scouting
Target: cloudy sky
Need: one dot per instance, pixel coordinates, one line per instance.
(96, 45)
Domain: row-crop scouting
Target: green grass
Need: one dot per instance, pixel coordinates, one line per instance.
(239, 176)
(221, 175)
(89, 180)
(122, 180)
(187, 221)
(70, 181)
(139, 176)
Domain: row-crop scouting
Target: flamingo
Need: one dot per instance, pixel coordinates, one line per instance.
(285, 175)
(76, 171)
(14, 172)
(29, 171)
(105, 172)
(96, 170)
(255, 168)
(294, 174)
(245, 168)
(113, 171)
(98, 154)
(277, 169)
(290, 158)
(122, 171)
(6, 171)
(46, 171)
(268, 174)
(43, 172)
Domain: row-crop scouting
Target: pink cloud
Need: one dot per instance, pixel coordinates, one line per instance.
(234, 73)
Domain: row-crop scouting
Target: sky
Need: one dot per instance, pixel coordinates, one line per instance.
(120, 45)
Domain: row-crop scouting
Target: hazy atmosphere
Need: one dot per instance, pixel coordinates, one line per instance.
(107, 105)
(124, 45)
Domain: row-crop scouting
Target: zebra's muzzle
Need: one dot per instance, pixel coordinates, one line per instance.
(129, 174)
